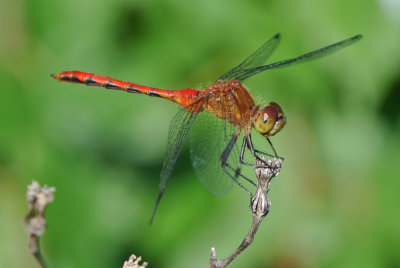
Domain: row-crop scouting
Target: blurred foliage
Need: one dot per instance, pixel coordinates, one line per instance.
(336, 201)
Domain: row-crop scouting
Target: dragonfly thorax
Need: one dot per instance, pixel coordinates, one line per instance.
(269, 120)
(230, 101)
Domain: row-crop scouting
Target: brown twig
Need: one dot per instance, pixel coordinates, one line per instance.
(259, 206)
(35, 222)
(39, 197)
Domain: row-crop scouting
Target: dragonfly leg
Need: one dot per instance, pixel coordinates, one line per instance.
(247, 141)
(239, 174)
(273, 148)
(253, 152)
(224, 164)
(264, 153)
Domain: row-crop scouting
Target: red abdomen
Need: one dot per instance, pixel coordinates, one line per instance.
(182, 97)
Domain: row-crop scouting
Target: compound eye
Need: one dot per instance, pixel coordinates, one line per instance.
(277, 108)
(265, 120)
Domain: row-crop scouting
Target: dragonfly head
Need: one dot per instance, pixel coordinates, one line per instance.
(269, 120)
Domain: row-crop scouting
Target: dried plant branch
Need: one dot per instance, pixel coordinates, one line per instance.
(134, 262)
(259, 206)
(39, 197)
(35, 222)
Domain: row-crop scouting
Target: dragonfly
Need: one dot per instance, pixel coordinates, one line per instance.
(224, 112)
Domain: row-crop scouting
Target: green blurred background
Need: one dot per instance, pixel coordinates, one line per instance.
(336, 201)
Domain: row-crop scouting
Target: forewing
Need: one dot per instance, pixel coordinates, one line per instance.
(179, 128)
(243, 74)
(256, 59)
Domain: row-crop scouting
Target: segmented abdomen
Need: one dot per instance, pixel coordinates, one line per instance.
(182, 97)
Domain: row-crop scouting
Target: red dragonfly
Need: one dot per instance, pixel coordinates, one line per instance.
(224, 112)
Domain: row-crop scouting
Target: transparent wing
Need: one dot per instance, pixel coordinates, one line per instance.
(208, 139)
(179, 128)
(258, 58)
(243, 74)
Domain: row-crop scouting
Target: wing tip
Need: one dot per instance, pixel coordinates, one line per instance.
(357, 37)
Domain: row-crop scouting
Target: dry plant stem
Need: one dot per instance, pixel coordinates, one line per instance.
(134, 262)
(35, 222)
(259, 207)
(34, 248)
